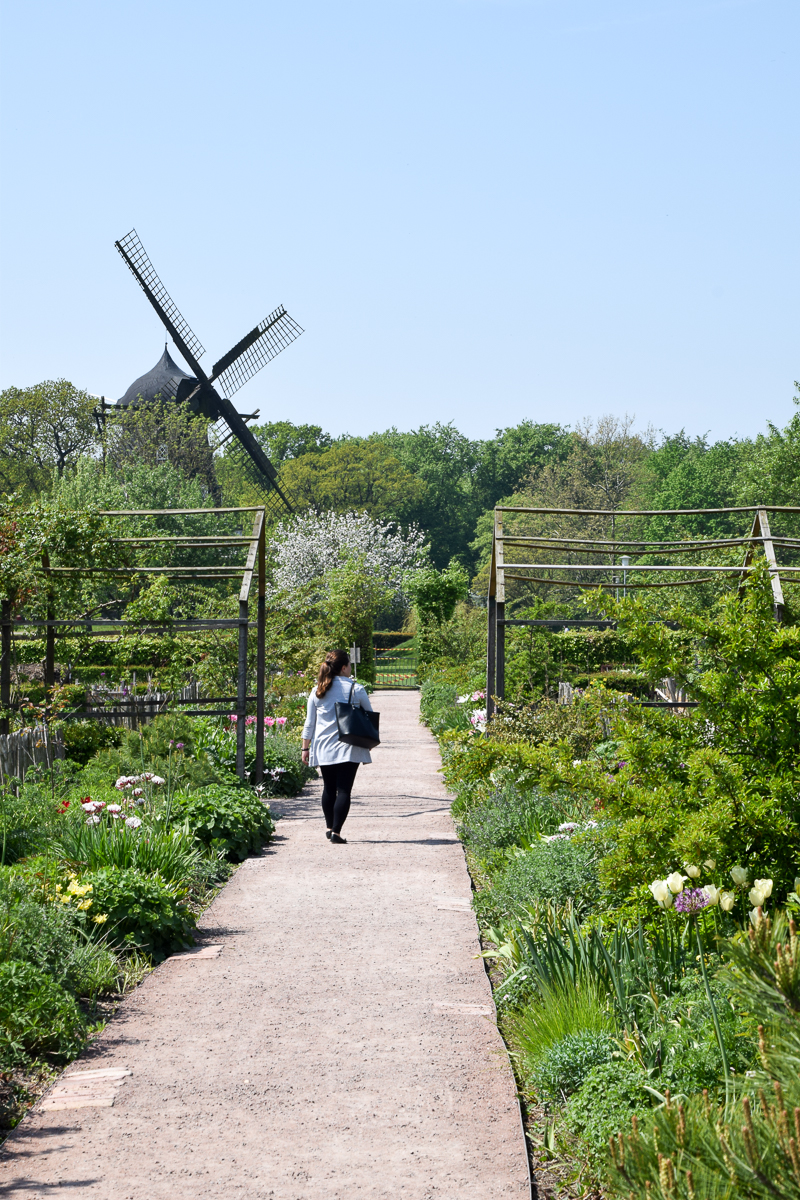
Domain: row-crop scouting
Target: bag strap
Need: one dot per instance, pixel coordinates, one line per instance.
(352, 688)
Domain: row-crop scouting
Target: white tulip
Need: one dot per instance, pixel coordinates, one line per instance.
(765, 887)
(691, 871)
(661, 893)
(756, 897)
(727, 901)
(756, 917)
(710, 864)
(739, 876)
(675, 882)
(713, 893)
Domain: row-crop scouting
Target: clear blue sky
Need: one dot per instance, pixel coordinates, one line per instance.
(480, 210)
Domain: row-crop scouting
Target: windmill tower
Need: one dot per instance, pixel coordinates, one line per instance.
(211, 394)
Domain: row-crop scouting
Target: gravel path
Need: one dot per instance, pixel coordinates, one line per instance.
(341, 1045)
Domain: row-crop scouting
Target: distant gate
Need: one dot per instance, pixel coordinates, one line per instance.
(395, 660)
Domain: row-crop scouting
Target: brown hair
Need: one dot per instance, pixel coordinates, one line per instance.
(334, 661)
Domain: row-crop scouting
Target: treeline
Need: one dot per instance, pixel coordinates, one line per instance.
(51, 439)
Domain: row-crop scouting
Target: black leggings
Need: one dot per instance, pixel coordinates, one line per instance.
(338, 779)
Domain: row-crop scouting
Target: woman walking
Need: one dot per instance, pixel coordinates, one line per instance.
(338, 761)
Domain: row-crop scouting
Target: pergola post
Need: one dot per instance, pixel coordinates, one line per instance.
(491, 654)
(500, 610)
(5, 664)
(496, 631)
(260, 650)
(241, 692)
(50, 633)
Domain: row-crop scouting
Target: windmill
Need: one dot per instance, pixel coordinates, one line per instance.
(211, 394)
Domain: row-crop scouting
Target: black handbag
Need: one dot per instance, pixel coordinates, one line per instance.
(357, 727)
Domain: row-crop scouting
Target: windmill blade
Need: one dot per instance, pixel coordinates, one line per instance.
(143, 270)
(255, 350)
(231, 432)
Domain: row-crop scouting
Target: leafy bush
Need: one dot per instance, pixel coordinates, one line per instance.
(152, 849)
(52, 937)
(565, 1065)
(691, 1060)
(580, 725)
(512, 817)
(557, 1012)
(232, 819)
(558, 871)
(285, 773)
(30, 814)
(36, 1015)
(141, 910)
(438, 707)
(83, 739)
(603, 1106)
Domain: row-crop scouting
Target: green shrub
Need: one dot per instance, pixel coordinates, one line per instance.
(285, 773)
(84, 739)
(438, 707)
(53, 937)
(565, 1065)
(603, 1106)
(30, 814)
(512, 817)
(691, 1060)
(36, 1016)
(557, 1012)
(231, 819)
(580, 725)
(560, 870)
(171, 853)
(141, 910)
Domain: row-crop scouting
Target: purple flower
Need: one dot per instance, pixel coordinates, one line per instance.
(691, 900)
(179, 745)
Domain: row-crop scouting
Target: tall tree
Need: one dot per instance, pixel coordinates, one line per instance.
(283, 439)
(43, 430)
(362, 475)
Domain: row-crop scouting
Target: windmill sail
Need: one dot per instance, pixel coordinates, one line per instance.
(254, 351)
(233, 370)
(143, 270)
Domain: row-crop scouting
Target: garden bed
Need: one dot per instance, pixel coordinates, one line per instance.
(637, 905)
(106, 862)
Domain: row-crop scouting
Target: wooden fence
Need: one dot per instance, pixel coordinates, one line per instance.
(28, 748)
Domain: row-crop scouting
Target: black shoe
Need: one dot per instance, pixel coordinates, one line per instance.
(328, 834)
(335, 837)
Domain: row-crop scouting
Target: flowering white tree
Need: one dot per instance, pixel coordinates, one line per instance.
(308, 545)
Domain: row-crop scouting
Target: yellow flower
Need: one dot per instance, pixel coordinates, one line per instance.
(84, 904)
(65, 899)
(98, 920)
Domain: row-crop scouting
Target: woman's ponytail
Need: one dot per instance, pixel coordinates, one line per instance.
(334, 661)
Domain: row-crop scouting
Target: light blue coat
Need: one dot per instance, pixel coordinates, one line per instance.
(321, 728)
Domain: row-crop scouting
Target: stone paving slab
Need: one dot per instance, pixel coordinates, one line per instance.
(340, 1046)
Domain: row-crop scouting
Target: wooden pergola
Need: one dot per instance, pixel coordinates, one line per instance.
(647, 576)
(253, 545)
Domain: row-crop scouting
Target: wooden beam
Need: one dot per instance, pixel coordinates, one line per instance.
(638, 567)
(775, 579)
(172, 512)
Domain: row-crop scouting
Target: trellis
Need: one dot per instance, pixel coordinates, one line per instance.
(254, 567)
(501, 571)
